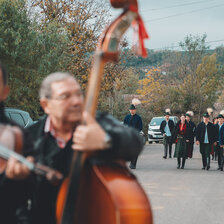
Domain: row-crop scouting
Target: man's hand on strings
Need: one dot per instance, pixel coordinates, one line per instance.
(89, 137)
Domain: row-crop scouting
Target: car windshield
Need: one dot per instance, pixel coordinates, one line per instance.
(156, 121)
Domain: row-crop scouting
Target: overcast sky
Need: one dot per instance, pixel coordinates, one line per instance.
(169, 21)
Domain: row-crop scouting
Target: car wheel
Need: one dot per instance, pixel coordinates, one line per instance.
(150, 142)
(156, 141)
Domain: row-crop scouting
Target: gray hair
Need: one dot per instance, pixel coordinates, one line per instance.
(45, 88)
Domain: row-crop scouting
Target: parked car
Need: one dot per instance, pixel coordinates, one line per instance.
(154, 133)
(20, 117)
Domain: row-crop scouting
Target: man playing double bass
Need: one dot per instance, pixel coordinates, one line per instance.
(13, 193)
(60, 132)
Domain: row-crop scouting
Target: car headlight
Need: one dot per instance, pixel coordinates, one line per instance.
(150, 129)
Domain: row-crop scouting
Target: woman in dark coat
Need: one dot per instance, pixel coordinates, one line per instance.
(181, 136)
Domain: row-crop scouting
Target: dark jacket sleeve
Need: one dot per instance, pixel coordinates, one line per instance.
(140, 124)
(171, 125)
(174, 132)
(126, 120)
(216, 132)
(126, 141)
(162, 127)
(192, 131)
(194, 128)
(213, 132)
(188, 134)
(221, 137)
(198, 132)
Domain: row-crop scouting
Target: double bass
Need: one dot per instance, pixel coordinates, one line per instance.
(104, 193)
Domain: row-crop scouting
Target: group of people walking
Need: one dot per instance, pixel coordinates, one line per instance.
(208, 136)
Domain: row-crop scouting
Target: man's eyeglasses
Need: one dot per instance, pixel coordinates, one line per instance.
(67, 96)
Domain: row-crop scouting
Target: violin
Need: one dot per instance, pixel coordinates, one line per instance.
(11, 143)
(106, 193)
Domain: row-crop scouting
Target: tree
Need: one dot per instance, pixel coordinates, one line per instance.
(206, 85)
(189, 80)
(29, 52)
(82, 22)
(194, 48)
(113, 100)
(152, 89)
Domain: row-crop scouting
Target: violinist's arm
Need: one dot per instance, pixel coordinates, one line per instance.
(15, 170)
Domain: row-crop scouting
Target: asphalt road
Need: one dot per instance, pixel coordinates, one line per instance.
(189, 196)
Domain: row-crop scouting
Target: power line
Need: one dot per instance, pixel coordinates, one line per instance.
(180, 14)
(177, 46)
(214, 41)
(179, 5)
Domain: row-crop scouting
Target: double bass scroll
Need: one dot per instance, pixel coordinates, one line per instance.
(104, 194)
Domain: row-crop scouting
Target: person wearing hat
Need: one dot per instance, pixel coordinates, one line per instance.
(205, 137)
(219, 149)
(135, 121)
(166, 128)
(190, 143)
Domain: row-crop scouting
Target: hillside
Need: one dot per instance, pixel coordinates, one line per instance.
(158, 58)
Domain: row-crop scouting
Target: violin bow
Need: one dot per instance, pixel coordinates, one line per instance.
(106, 51)
(37, 168)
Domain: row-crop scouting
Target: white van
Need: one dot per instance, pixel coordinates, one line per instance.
(154, 133)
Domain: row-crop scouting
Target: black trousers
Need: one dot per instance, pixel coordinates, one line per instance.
(205, 150)
(167, 143)
(133, 162)
(219, 151)
(179, 162)
(190, 148)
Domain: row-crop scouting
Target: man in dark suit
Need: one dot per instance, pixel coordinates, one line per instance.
(206, 136)
(135, 121)
(221, 143)
(166, 128)
(219, 148)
